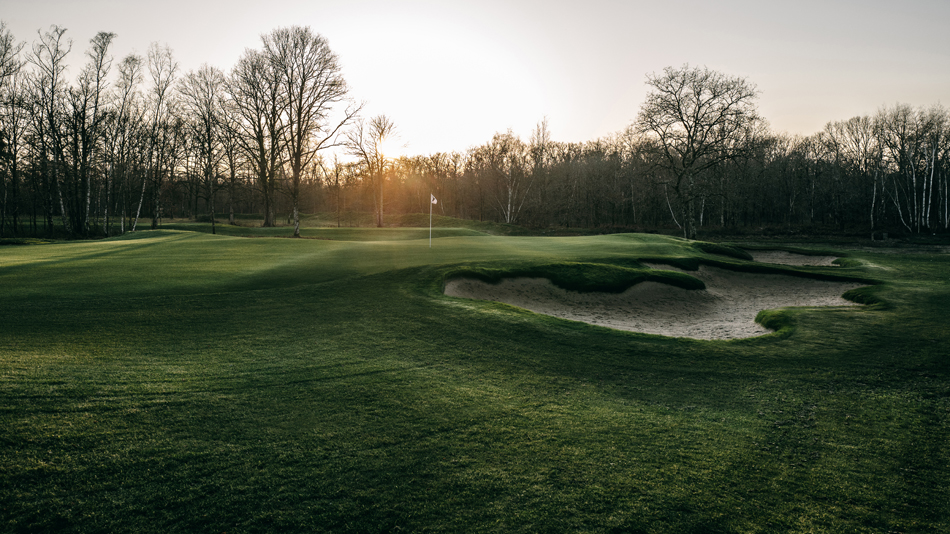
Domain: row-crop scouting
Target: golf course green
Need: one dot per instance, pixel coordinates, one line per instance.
(177, 381)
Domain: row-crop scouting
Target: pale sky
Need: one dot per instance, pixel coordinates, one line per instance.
(452, 73)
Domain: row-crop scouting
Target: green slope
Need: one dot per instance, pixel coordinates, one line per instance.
(180, 382)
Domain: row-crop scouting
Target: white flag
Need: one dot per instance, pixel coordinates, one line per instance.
(434, 201)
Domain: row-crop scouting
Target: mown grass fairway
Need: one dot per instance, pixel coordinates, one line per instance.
(173, 381)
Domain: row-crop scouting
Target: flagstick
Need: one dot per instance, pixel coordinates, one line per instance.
(432, 201)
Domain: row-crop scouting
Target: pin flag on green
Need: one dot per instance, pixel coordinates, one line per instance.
(433, 201)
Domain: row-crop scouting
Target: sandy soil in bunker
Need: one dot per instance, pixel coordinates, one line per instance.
(726, 309)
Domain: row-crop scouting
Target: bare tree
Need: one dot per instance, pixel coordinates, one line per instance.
(508, 162)
(336, 178)
(934, 132)
(162, 67)
(255, 93)
(912, 140)
(125, 122)
(202, 93)
(368, 142)
(541, 147)
(857, 151)
(312, 85)
(86, 103)
(12, 123)
(696, 118)
(49, 54)
(10, 62)
(231, 146)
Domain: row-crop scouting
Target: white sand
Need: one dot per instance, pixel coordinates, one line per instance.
(726, 309)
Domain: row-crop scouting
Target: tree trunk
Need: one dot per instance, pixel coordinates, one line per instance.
(873, 201)
(231, 197)
(138, 211)
(379, 220)
(211, 206)
(87, 184)
(269, 212)
(296, 219)
(928, 193)
(105, 207)
(63, 212)
(689, 208)
(14, 194)
(156, 204)
(3, 207)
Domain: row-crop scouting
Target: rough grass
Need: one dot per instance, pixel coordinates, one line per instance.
(722, 249)
(24, 241)
(176, 382)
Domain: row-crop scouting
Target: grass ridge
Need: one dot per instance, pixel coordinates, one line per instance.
(577, 276)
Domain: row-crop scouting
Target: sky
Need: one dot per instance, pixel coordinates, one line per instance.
(450, 74)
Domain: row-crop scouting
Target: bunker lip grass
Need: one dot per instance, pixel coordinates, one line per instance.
(782, 257)
(726, 309)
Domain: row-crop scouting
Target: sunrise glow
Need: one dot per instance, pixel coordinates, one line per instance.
(451, 74)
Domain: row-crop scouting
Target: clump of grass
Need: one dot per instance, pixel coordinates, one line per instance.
(848, 262)
(867, 295)
(781, 321)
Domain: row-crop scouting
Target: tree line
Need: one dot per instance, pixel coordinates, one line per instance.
(279, 134)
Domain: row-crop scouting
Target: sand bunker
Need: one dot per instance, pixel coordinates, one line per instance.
(726, 309)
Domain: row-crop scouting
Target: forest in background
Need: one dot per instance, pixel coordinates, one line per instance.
(133, 140)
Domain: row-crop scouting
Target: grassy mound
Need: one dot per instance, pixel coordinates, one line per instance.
(577, 276)
(722, 250)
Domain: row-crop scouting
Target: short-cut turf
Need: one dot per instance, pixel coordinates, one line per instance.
(173, 381)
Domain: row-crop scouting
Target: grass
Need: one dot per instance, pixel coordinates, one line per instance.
(174, 381)
(358, 224)
(329, 233)
(581, 276)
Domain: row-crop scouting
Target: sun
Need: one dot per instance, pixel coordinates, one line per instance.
(390, 147)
